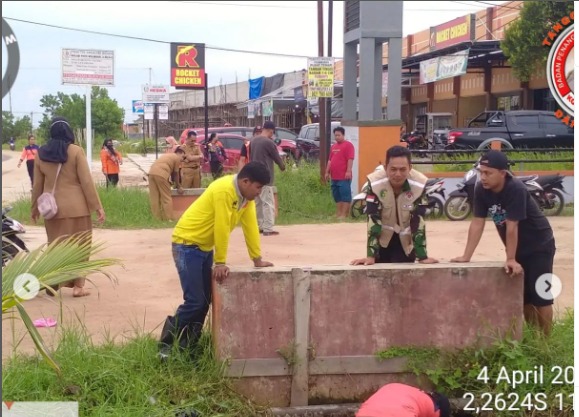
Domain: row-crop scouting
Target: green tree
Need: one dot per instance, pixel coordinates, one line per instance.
(18, 128)
(524, 37)
(107, 116)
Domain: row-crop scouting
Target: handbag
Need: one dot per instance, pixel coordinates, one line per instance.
(47, 203)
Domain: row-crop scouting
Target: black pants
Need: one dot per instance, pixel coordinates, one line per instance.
(113, 179)
(30, 167)
(534, 266)
(216, 168)
(394, 253)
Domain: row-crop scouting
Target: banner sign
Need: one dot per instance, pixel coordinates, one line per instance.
(188, 66)
(138, 107)
(320, 77)
(442, 67)
(88, 67)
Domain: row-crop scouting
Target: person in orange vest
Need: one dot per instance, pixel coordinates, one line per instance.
(111, 159)
(244, 154)
(401, 400)
(28, 154)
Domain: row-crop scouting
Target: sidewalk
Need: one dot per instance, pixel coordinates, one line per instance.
(16, 184)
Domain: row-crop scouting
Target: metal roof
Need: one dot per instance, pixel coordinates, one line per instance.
(480, 52)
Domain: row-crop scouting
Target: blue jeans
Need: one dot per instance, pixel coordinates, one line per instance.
(194, 268)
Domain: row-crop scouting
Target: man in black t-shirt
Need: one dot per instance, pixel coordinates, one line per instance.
(523, 228)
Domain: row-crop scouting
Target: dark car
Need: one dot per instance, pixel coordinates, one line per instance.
(284, 138)
(514, 129)
(308, 141)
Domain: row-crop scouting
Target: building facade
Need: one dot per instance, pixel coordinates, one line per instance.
(485, 81)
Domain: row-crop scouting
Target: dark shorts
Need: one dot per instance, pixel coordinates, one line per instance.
(394, 253)
(535, 265)
(341, 191)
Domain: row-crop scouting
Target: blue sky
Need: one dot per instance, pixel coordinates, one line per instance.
(269, 26)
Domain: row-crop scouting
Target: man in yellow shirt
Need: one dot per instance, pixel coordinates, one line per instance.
(204, 227)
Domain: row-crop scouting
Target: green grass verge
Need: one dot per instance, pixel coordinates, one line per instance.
(302, 199)
(125, 380)
(479, 372)
(525, 166)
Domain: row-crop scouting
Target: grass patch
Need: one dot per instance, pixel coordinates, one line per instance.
(125, 208)
(126, 380)
(523, 166)
(302, 199)
(463, 371)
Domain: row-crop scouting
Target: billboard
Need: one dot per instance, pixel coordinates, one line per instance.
(156, 94)
(88, 67)
(188, 66)
(138, 107)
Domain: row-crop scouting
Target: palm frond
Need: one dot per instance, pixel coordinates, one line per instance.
(52, 264)
(55, 263)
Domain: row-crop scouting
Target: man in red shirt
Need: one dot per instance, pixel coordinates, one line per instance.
(339, 171)
(401, 400)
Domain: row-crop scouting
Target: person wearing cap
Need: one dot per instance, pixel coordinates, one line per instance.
(523, 228)
(401, 400)
(264, 150)
(160, 174)
(244, 154)
(191, 166)
(395, 205)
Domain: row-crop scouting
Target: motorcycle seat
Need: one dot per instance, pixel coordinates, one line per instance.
(549, 179)
(432, 181)
(528, 178)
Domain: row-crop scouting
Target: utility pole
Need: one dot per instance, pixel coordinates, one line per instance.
(329, 100)
(149, 122)
(321, 101)
(10, 97)
(31, 122)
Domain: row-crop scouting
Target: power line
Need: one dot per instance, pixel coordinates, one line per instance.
(216, 48)
(273, 6)
(499, 5)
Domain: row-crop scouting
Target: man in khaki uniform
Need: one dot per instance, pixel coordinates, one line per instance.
(191, 167)
(161, 171)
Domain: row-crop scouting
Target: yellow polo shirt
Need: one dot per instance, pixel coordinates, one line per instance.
(209, 221)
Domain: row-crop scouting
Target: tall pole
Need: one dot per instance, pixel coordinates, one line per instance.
(9, 97)
(206, 107)
(156, 130)
(149, 122)
(321, 101)
(89, 126)
(329, 100)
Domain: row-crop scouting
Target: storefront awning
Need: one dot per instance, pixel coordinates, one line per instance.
(480, 52)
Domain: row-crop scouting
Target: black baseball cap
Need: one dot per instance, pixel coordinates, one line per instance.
(191, 133)
(495, 159)
(269, 125)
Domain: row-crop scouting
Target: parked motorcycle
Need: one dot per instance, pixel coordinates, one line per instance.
(12, 144)
(416, 141)
(434, 190)
(551, 201)
(12, 245)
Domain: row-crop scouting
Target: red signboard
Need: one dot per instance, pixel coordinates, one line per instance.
(451, 33)
(188, 66)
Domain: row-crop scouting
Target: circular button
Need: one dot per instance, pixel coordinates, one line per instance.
(26, 286)
(548, 286)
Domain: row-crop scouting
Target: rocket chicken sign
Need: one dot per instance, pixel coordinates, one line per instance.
(188, 66)
(453, 32)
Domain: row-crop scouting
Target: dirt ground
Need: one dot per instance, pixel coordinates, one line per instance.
(148, 286)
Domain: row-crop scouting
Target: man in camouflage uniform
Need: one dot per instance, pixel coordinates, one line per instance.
(191, 167)
(396, 205)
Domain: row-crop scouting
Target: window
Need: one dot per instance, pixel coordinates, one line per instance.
(285, 134)
(312, 133)
(528, 121)
(232, 143)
